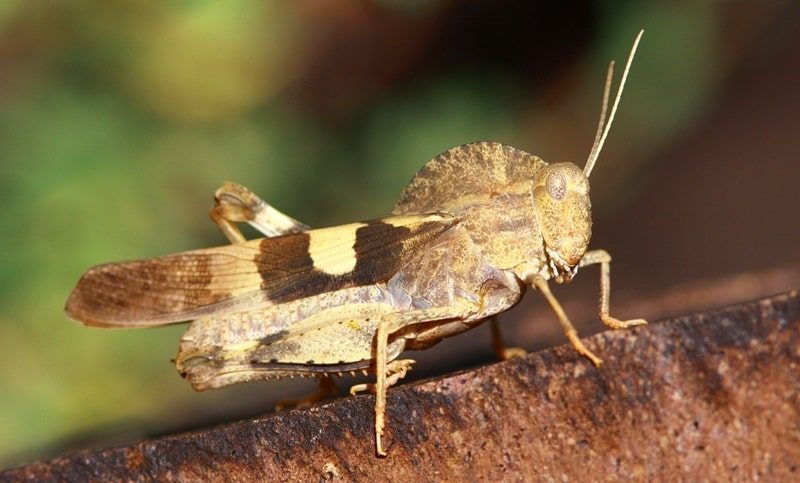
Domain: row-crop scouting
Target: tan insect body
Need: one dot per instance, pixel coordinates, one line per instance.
(472, 230)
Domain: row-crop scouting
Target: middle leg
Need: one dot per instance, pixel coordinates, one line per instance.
(499, 345)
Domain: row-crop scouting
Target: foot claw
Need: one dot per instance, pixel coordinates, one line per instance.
(378, 433)
(617, 324)
(396, 371)
(511, 352)
(582, 350)
(327, 387)
(595, 360)
(357, 388)
(379, 448)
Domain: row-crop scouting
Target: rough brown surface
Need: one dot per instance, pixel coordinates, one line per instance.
(715, 395)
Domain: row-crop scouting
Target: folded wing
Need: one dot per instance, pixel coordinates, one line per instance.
(255, 273)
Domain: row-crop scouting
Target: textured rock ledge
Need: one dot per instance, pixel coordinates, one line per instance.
(715, 394)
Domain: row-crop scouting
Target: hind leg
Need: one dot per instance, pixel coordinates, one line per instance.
(234, 203)
(327, 388)
(395, 371)
(390, 324)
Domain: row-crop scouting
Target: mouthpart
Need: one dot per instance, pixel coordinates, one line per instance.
(560, 270)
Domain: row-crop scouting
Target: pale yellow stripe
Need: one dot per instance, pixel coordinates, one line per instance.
(333, 249)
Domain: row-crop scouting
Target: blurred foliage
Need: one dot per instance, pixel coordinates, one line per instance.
(119, 119)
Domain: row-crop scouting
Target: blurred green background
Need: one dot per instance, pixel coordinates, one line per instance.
(119, 119)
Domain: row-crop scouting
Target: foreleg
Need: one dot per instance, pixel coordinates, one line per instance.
(604, 259)
(569, 329)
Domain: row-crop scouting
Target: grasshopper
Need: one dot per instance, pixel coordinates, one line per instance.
(472, 230)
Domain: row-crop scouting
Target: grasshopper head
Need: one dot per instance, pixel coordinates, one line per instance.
(561, 202)
(560, 194)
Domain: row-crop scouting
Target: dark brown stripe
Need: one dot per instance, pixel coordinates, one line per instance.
(379, 251)
(287, 270)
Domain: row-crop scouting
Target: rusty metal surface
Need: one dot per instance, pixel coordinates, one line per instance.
(714, 395)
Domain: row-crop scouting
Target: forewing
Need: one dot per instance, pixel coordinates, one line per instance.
(261, 272)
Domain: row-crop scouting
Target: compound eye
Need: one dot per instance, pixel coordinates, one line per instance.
(557, 185)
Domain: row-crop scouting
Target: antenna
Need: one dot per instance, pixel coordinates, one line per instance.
(603, 109)
(604, 125)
